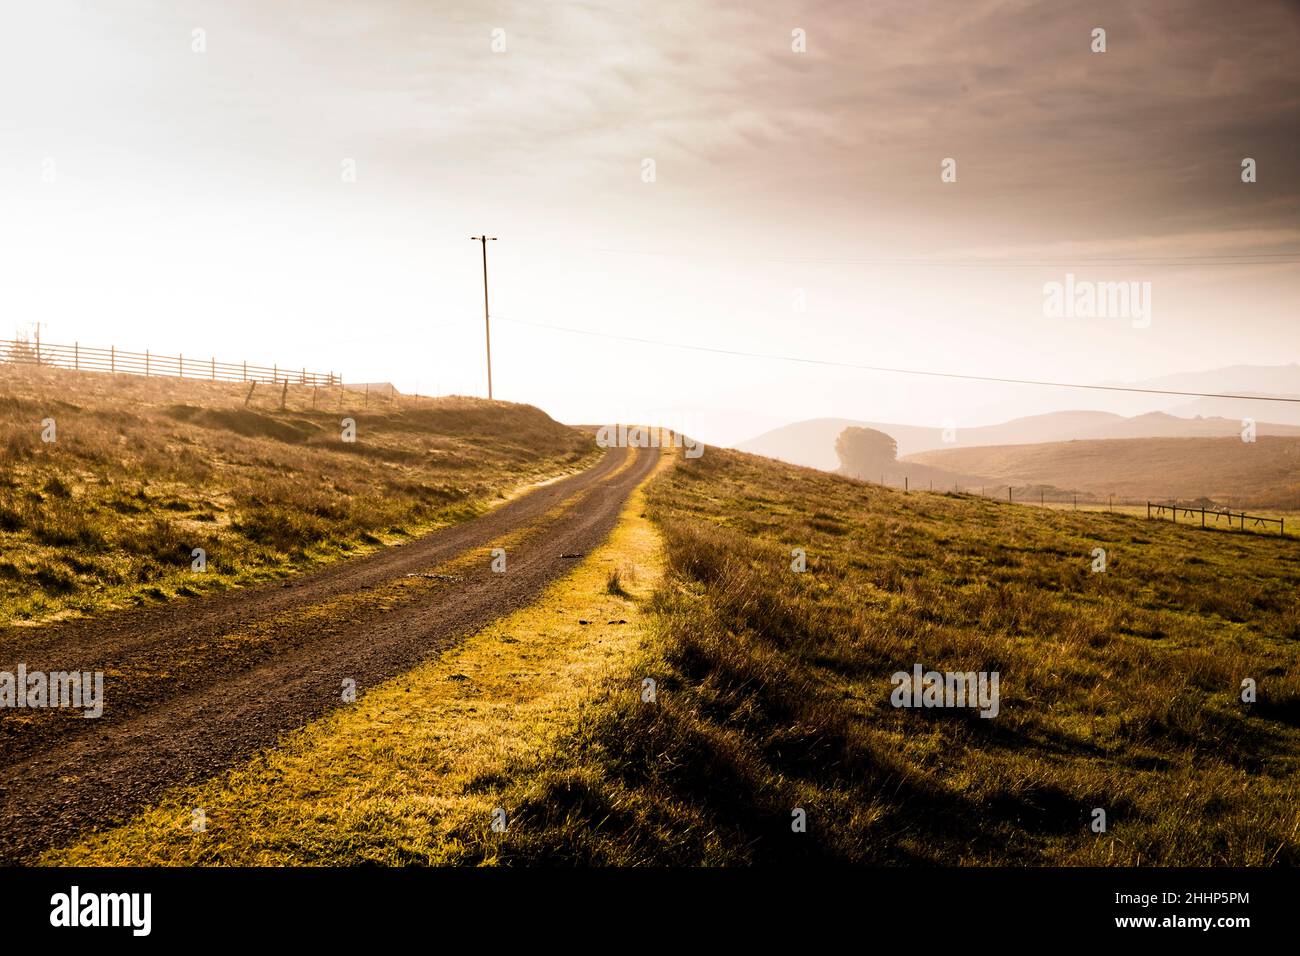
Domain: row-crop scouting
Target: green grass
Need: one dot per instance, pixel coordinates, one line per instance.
(1119, 690)
(144, 471)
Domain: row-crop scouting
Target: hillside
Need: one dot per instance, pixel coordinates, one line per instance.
(812, 443)
(736, 711)
(1119, 691)
(143, 471)
(1265, 473)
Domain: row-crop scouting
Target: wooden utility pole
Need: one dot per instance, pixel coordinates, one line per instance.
(487, 324)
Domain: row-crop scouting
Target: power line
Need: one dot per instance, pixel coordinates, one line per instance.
(995, 262)
(896, 371)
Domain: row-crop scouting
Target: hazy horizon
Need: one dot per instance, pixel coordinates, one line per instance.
(299, 184)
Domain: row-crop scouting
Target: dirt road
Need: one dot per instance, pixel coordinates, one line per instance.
(195, 686)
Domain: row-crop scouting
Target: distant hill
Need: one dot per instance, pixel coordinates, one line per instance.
(1265, 473)
(812, 443)
(1285, 413)
(1251, 379)
(1264, 381)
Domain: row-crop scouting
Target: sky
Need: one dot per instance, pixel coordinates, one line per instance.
(298, 183)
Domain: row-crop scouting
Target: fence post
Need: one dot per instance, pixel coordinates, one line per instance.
(214, 368)
(146, 363)
(245, 370)
(180, 366)
(1202, 516)
(905, 484)
(1008, 494)
(112, 359)
(76, 356)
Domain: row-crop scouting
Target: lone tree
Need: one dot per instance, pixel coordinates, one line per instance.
(864, 452)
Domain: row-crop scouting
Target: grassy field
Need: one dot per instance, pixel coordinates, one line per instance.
(1120, 690)
(143, 471)
(1260, 474)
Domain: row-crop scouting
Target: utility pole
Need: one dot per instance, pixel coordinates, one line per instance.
(487, 324)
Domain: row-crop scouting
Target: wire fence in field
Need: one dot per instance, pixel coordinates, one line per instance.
(1200, 514)
(112, 359)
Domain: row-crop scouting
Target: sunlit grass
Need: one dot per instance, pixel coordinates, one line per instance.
(144, 471)
(1120, 690)
(413, 770)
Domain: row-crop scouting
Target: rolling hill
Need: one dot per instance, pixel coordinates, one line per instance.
(812, 443)
(141, 471)
(1120, 690)
(1265, 473)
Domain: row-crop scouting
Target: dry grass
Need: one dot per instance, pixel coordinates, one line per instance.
(413, 770)
(1260, 474)
(1119, 690)
(144, 471)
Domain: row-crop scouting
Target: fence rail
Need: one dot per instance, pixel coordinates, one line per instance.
(1205, 516)
(112, 359)
(1157, 509)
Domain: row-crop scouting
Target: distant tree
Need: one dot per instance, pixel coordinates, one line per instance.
(865, 452)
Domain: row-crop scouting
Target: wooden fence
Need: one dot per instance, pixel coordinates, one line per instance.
(87, 359)
(1207, 517)
(1156, 509)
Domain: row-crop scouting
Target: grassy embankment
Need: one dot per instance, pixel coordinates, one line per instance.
(143, 471)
